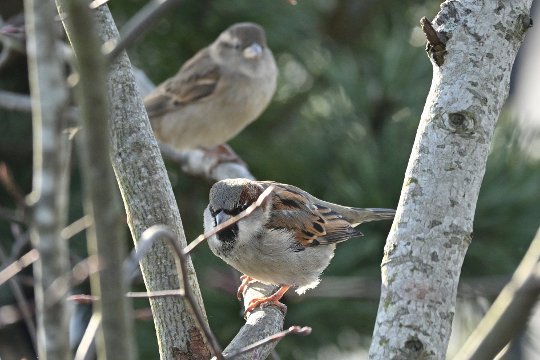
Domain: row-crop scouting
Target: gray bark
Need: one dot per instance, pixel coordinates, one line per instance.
(48, 198)
(105, 236)
(434, 220)
(261, 323)
(149, 200)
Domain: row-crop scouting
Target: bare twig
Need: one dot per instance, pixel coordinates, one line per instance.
(83, 298)
(12, 38)
(86, 346)
(22, 303)
(106, 233)
(15, 102)
(6, 179)
(306, 330)
(138, 25)
(159, 231)
(49, 194)
(22, 239)
(80, 272)
(179, 292)
(435, 46)
(509, 312)
(15, 267)
(229, 222)
(76, 227)
(88, 299)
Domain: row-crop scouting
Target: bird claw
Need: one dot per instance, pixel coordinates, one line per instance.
(263, 302)
(269, 300)
(223, 154)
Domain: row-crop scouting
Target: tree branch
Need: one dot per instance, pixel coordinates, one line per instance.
(147, 239)
(260, 324)
(138, 25)
(433, 224)
(15, 102)
(197, 162)
(105, 235)
(148, 199)
(509, 313)
(48, 199)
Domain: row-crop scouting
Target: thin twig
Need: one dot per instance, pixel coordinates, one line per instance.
(138, 25)
(160, 231)
(155, 294)
(15, 102)
(6, 179)
(306, 330)
(436, 47)
(87, 341)
(229, 222)
(76, 227)
(80, 272)
(88, 299)
(83, 298)
(17, 266)
(22, 303)
(22, 239)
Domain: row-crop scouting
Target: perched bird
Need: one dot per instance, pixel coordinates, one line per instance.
(216, 93)
(287, 241)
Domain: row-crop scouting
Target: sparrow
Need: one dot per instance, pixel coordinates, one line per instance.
(288, 240)
(216, 93)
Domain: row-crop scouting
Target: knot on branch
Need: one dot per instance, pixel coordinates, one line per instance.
(414, 348)
(525, 22)
(460, 123)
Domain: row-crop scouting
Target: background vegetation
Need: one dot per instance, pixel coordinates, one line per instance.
(353, 80)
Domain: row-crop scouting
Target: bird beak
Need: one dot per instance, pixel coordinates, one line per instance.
(253, 51)
(221, 217)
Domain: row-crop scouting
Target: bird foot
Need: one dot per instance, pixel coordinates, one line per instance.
(269, 300)
(222, 154)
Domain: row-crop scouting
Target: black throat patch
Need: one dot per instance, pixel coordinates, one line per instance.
(228, 238)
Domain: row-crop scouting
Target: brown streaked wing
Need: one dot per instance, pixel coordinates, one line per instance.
(196, 80)
(291, 211)
(337, 228)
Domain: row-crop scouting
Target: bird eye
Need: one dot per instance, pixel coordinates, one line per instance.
(213, 211)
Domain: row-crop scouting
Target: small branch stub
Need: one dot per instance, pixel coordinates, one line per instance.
(435, 47)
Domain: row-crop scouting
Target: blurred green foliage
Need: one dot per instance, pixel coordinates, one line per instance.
(353, 80)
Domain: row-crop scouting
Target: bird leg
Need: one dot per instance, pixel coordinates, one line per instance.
(246, 280)
(274, 299)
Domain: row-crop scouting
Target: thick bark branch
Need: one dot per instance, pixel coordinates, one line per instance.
(433, 224)
(149, 200)
(261, 323)
(106, 236)
(48, 197)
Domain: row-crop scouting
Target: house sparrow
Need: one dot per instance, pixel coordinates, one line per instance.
(216, 93)
(287, 241)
